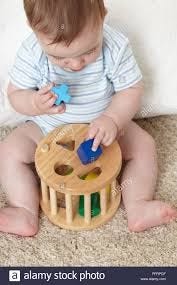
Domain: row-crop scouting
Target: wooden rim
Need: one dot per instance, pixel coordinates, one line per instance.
(49, 154)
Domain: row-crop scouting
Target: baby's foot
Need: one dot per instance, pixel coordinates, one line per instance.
(18, 221)
(147, 214)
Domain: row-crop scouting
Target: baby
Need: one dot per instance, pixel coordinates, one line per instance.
(71, 44)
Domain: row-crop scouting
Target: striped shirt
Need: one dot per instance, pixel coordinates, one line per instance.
(91, 88)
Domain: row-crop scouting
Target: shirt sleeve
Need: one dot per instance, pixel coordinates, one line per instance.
(124, 71)
(25, 74)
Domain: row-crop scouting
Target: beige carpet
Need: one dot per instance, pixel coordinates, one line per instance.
(111, 244)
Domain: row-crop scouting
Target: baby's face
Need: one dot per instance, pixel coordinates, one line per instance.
(85, 49)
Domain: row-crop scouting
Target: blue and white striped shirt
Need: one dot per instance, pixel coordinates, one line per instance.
(91, 88)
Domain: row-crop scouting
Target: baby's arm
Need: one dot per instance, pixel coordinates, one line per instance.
(125, 76)
(122, 109)
(21, 99)
(125, 105)
(25, 76)
(32, 103)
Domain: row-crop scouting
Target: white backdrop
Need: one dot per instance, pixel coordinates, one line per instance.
(151, 26)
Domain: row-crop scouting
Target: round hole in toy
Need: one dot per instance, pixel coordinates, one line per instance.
(63, 169)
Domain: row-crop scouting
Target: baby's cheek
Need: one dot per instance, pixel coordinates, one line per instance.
(91, 58)
(60, 64)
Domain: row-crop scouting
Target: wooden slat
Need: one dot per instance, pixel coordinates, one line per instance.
(114, 190)
(53, 202)
(103, 201)
(87, 208)
(45, 192)
(69, 210)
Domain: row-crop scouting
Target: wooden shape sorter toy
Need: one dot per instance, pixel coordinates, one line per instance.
(70, 189)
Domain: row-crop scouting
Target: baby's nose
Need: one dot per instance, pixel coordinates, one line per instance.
(77, 64)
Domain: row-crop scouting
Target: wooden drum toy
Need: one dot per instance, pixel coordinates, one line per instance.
(76, 196)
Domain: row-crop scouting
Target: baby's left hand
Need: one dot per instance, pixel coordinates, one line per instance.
(103, 130)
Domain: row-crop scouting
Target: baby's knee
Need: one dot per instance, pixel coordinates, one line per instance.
(145, 148)
(9, 151)
(17, 147)
(148, 140)
(4, 151)
(148, 143)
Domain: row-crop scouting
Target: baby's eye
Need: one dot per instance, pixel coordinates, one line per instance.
(92, 51)
(57, 57)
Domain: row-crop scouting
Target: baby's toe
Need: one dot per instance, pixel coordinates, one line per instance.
(168, 213)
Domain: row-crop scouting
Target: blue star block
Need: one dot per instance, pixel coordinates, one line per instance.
(62, 93)
(86, 154)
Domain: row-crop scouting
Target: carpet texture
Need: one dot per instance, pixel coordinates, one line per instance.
(112, 244)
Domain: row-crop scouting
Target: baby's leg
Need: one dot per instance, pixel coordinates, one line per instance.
(139, 179)
(16, 154)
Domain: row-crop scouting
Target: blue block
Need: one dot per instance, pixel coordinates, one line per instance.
(86, 154)
(62, 93)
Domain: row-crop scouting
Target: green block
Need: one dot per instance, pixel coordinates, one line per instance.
(95, 205)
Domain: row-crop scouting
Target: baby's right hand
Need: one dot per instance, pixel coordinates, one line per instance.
(43, 102)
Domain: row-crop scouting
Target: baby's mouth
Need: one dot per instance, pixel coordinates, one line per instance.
(73, 70)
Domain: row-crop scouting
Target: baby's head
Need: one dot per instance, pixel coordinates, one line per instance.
(69, 31)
